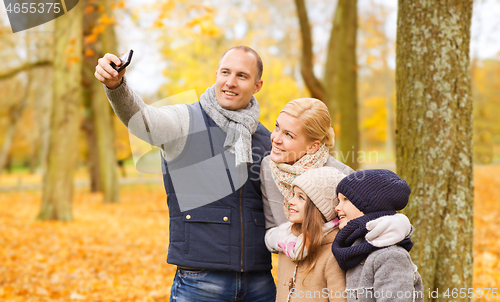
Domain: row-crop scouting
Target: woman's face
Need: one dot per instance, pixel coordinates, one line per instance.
(289, 141)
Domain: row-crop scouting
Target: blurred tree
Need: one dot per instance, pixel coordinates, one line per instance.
(373, 109)
(40, 139)
(486, 91)
(434, 138)
(18, 86)
(339, 86)
(376, 113)
(485, 87)
(99, 38)
(14, 116)
(316, 88)
(375, 50)
(61, 162)
(345, 89)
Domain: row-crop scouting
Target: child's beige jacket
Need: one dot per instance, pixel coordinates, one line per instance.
(326, 282)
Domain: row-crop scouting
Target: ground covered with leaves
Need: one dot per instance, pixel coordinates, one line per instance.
(109, 253)
(117, 252)
(487, 229)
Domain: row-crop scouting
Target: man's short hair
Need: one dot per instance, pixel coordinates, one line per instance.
(260, 66)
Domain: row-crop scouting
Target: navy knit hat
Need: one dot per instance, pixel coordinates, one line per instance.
(375, 190)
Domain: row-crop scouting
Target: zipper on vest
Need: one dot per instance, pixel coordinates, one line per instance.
(241, 221)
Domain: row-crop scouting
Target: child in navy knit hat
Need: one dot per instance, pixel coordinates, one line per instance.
(373, 273)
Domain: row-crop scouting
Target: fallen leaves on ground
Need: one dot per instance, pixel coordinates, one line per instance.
(487, 230)
(117, 252)
(111, 252)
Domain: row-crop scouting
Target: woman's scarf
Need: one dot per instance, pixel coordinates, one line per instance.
(349, 255)
(239, 125)
(284, 174)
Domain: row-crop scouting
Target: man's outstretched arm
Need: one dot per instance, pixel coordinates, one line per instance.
(168, 126)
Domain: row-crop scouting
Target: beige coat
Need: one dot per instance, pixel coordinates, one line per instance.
(326, 282)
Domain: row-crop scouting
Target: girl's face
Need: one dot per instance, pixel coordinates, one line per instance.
(346, 211)
(298, 205)
(289, 141)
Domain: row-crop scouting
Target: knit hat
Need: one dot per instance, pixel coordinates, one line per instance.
(319, 185)
(375, 190)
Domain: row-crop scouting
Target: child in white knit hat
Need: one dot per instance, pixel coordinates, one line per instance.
(307, 270)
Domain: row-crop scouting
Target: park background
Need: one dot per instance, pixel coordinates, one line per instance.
(110, 242)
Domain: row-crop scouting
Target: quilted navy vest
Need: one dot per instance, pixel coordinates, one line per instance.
(216, 212)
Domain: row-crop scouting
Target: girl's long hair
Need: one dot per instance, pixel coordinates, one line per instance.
(312, 232)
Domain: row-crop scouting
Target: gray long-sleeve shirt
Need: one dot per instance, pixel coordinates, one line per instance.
(168, 125)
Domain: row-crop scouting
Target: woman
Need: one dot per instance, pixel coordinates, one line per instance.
(301, 140)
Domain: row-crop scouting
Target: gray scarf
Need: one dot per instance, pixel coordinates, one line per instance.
(239, 125)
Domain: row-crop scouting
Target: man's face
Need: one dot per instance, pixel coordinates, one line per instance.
(235, 80)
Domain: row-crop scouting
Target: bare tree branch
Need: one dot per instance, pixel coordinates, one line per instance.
(25, 67)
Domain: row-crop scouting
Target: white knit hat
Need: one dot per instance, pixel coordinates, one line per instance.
(320, 186)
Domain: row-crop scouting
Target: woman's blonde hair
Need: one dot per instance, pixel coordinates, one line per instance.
(314, 117)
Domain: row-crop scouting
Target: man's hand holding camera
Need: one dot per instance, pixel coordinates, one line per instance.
(105, 73)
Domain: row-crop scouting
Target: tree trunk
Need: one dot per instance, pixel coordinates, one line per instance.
(331, 66)
(339, 88)
(45, 101)
(101, 113)
(434, 138)
(63, 152)
(15, 116)
(16, 112)
(346, 91)
(108, 164)
(307, 65)
(8, 163)
(90, 134)
(88, 78)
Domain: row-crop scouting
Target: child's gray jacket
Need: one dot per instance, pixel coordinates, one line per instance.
(387, 274)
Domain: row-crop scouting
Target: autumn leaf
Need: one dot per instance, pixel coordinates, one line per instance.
(89, 52)
(89, 9)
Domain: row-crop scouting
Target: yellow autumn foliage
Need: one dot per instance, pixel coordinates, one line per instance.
(374, 124)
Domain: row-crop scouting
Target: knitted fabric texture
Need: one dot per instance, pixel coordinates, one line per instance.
(239, 125)
(349, 255)
(320, 185)
(375, 190)
(284, 174)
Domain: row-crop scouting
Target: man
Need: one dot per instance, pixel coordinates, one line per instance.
(211, 154)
